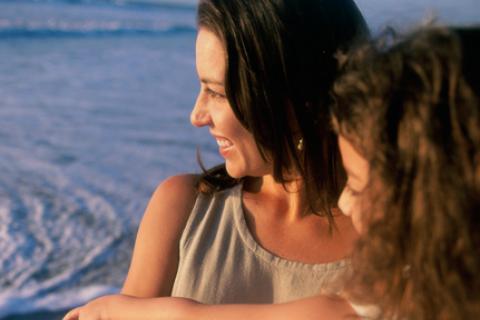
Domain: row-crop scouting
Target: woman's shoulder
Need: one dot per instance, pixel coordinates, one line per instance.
(182, 191)
(173, 200)
(176, 192)
(182, 184)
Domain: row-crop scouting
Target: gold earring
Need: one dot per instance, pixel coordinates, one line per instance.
(300, 144)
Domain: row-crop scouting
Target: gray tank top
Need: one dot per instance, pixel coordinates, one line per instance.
(220, 261)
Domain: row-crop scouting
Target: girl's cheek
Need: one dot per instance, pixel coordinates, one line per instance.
(351, 206)
(345, 203)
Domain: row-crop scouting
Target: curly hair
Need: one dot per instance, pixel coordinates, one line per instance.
(413, 111)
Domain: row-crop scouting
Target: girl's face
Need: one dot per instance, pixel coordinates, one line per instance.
(351, 202)
(235, 143)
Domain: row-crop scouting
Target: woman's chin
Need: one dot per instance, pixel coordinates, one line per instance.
(240, 169)
(233, 171)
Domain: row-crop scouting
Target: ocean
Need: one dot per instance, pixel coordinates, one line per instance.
(95, 97)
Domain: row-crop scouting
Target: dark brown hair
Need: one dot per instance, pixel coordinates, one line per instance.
(280, 69)
(413, 111)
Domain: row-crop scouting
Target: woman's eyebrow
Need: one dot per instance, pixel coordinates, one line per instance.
(207, 80)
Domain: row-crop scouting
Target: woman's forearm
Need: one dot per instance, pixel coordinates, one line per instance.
(320, 307)
(121, 307)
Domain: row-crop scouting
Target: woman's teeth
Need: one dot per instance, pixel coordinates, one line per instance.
(224, 143)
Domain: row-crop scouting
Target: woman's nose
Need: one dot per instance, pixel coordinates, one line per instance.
(200, 116)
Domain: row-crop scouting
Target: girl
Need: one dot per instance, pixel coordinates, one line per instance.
(408, 120)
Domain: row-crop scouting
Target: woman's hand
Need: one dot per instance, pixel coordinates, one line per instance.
(122, 307)
(97, 309)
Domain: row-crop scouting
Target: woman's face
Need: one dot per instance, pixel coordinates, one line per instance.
(212, 109)
(351, 202)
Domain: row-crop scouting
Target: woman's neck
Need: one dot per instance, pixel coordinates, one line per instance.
(288, 200)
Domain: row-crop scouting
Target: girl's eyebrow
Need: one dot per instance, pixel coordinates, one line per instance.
(351, 174)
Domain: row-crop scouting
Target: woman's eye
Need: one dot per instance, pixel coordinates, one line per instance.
(214, 94)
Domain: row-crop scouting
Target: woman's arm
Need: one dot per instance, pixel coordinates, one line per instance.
(155, 256)
(320, 307)
(167, 308)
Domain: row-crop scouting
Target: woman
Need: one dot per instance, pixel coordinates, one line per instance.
(263, 228)
(408, 119)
